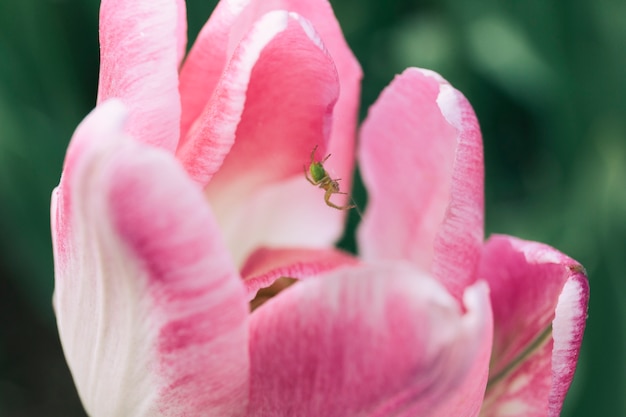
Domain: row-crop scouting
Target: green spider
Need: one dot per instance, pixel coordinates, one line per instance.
(320, 178)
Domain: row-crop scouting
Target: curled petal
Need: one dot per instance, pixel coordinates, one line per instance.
(215, 44)
(151, 312)
(141, 45)
(539, 299)
(214, 83)
(205, 63)
(273, 104)
(369, 340)
(422, 164)
(265, 265)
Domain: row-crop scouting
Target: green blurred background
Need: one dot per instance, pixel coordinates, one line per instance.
(546, 78)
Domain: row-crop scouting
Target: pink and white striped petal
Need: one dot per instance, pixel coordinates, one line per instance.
(372, 340)
(141, 45)
(539, 299)
(422, 164)
(151, 312)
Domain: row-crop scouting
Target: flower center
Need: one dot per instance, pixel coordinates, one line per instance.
(264, 294)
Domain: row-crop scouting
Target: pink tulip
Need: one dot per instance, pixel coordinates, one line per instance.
(183, 200)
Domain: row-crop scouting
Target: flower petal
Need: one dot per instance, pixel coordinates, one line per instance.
(291, 213)
(272, 106)
(205, 62)
(365, 341)
(265, 265)
(141, 44)
(213, 48)
(151, 312)
(421, 161)
(343, 131)
(539, 299)
(181, 30)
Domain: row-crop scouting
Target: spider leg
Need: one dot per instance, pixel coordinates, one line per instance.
(329, 203)
(313, 154)
(306, 175)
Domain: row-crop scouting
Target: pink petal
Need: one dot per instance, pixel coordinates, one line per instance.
(141, 44)
(205, 62)
(151, 312)
(421, 161)
(272, 106)
(291, 213)
(539, 299)
(181, 30)
(322, 18)
(266, 265)
(365, 341)
(214, 46)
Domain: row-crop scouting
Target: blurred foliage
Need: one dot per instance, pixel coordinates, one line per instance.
(547, 81)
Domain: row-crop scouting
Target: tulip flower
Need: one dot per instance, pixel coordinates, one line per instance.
(195, 273)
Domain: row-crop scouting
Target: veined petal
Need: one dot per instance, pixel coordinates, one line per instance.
(151, 312)
(141, 45)
(539, 299)
(378, 340)
(422, 164)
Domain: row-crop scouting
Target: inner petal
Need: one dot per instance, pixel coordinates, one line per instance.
(268, 271)
(265, 294)
(254, 175)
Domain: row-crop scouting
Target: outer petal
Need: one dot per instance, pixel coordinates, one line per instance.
(141, 44)
(366, 341)
(422, 163)
(539, 299)
(181, 30)
(151, 313)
